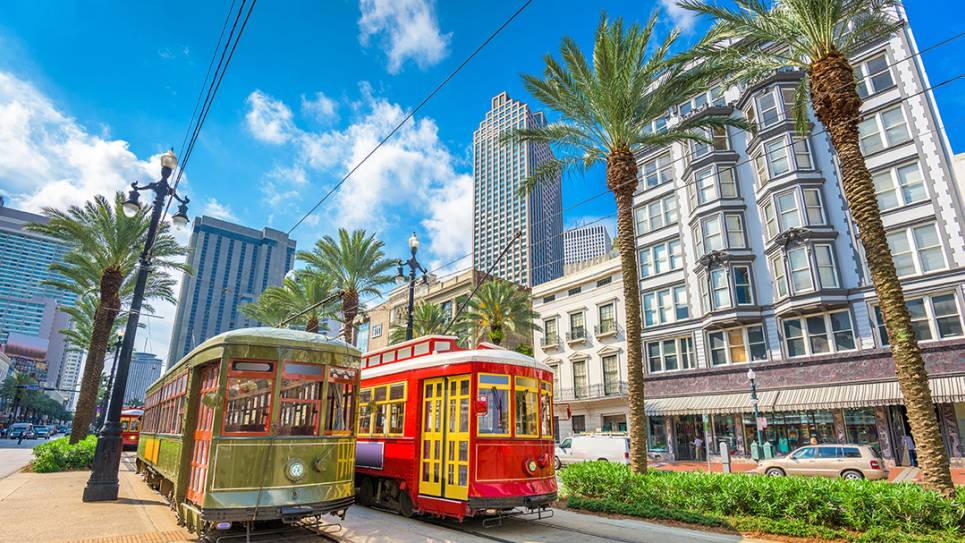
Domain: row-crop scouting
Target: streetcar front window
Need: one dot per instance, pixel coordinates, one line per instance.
(300, 399)
(494, 391)
(527, 407)
(248, 405)
(546, 408)
(123, 425)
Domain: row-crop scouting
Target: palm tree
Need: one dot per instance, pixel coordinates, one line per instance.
(427, 319)
(104, 248)
(817, 37)
(498, 308)
(356, 265)
(299, 296)
(606, 113)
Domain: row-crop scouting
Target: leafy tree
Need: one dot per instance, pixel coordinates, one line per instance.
(759, 37)
(500, 307)
(357, 266)
(104, 248)
(608, 109)
(294, 296)
(427, 319)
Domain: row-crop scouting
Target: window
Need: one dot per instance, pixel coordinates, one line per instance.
(726, 285)
(656, 433)
(248, 402)
(661, 258)
(716, 141)
(611, 375)
(527, 407)
(577, 325)
(656, 172)
(800, 270)
(802, 154)
(787, 212)
(656, 214)
(933, 317)
(548, 299)
(573, 291)
(817, 334)
(737, 345)
(884, 129)
(340, 400)
(579, 424)
(827, 274)
(382, 410)
(670, 354)
(708, 236)
(813, 210)
(769, 112)
(604, 282)
(777, 159)
(494, 390)
(711, 183)
(900, 186)
(665, 306)
(608, 320)
(580, 384)
(743, 292)
(551, 335)
(873, 76)
(300, 399)
(376, 330)
(916, 250)
(546, 408)
(555, 368)
(715, 97)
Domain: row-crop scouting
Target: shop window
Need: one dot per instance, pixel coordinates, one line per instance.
(527, 407)
(656, 434)
(494, 390)
(861, 428)
(578, 423)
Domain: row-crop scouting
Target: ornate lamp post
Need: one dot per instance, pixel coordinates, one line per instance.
(110, 380)
(752, 377)
(102, 485)
(400, 278)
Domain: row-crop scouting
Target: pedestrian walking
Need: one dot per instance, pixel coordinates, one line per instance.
(698, 444)
(20, 437)
(910, 447)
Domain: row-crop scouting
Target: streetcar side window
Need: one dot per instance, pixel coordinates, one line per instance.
(546, 408)
(248, 402)
(527, 407)
(300, 399)
(340, 400)
(494, 391)
(382, 410)
(365, 412)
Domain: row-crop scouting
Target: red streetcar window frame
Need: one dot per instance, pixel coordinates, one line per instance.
(321, 377)
(271, 374)
(354, 380)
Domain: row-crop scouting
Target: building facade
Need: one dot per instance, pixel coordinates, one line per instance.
(144, 370)
(749, 258)
(499, 170)
(30, 309)
(232, 265)
(585, 346)
(585, 243)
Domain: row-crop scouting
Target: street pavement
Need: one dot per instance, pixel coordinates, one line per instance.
(13, 456)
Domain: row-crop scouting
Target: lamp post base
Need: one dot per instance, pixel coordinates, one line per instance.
(103, 484)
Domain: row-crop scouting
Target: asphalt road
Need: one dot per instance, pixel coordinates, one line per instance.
(13, 456)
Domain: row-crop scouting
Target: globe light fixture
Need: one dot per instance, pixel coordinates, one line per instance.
(180, 219)
(132, 205)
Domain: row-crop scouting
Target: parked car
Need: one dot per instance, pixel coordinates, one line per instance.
(853, 462)
(586, 447)
(24, 428)
(42, 432)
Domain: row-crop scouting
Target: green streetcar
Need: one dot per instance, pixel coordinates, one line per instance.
(254, 425)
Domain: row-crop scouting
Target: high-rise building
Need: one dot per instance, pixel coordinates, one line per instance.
(749, 258)
(232, 265)
(144, 370)
(585, 242)
(29, 308)
(499, 169)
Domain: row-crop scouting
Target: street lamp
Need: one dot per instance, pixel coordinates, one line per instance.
(752, 377)
(102, 485)
(400, 279)
(110, 380)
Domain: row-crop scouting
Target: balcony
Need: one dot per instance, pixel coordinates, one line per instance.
(592, 392)
(607, 328)
(576, 335)
(550, 342)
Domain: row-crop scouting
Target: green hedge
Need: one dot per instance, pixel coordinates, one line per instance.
(60, 455)
(859, 506)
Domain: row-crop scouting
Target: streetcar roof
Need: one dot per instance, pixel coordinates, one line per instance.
(498, 356)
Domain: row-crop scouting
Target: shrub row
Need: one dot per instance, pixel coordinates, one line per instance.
(832, 503)
(60, 455)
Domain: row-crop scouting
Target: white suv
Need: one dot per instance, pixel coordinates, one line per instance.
(587, 447)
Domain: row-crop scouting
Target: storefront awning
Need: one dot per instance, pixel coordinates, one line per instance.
(710, 404)
(944, 390)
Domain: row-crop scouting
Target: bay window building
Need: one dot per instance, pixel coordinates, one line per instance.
(748, 256)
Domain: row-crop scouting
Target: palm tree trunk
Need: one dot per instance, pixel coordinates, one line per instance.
(496, 335)
(837, 105)
(350, 308)
(621, 175)
(104, 316)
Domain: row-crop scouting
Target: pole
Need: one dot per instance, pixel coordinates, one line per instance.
(408, 322)
(110, 385)
(757, 418)
(103, 484)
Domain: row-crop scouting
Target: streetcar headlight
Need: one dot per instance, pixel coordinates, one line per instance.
(295, 470)
(530, 466)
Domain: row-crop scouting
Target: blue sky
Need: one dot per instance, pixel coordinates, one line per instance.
(91, 92)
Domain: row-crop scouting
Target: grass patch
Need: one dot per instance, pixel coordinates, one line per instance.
(60, 455)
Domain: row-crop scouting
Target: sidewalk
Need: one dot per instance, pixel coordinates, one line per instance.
(958, 474)
(47, 507)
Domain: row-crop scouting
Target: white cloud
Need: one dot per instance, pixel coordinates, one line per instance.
(684, 19)
(216, 209)
(407, 29)
(268, 119)
(321, 108)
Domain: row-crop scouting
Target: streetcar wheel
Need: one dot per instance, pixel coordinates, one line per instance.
(366, 492)
(405, 505)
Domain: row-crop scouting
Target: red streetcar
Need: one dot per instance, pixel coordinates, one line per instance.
(455, 432)
(131, 427)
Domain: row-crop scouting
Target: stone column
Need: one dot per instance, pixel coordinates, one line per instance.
(884, 435)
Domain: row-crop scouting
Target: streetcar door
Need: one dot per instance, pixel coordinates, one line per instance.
(200, 455)
(457, 438)
(433, 392)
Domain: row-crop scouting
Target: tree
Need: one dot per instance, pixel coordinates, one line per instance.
(356, 265)
(607, 111)
(500, 307)
(427, 319)
(299, 295)
(104, 248)
(817, 37)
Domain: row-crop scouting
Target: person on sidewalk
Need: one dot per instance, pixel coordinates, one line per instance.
(698, 445)
(910, 447)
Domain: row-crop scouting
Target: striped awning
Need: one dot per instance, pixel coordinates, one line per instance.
(709, 404)
(944, 390)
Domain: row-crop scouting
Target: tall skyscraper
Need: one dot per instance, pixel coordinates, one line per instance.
(145, 369)
(30, 309)
(585, 242)
(232, 265)
(499, 212)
